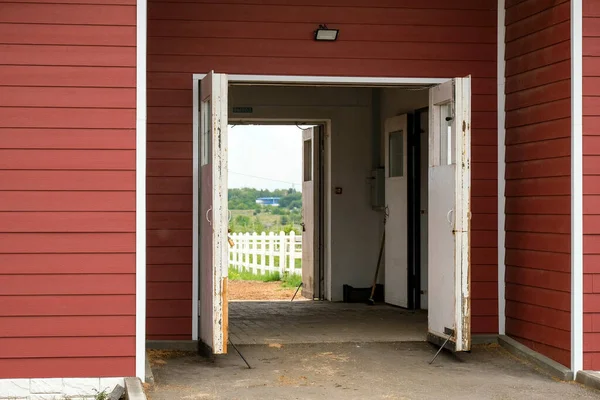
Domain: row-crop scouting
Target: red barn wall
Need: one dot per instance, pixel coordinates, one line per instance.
(67, 188)
(591, 184)
(396, 38)
(538, 176)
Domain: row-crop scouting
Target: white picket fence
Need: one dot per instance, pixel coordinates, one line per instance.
(264, 253)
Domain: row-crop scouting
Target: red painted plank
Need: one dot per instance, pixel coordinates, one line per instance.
(590, 73)
(485, 187)
(67, 242)
(548, 36)
(543, 75)
(548, 335)
(552, 167)
(67, 55)
(538, 113)
(303, 13)
(484, 256)
(70, 14)
(44, 138)
(67, 118)
(553, 186)
(67, 159)
(170, 132)
(539, 296)
(38, 306)
(67, 201)
(169, 308)
(591, 124)
(591, 263)
(562, 356)
(591, 9)
(168, 185)
(86, 35)
(548, 17)
(26, 75)
(539, 205)
(169, 220)
(67, 180)
(169, 255)
(591, 27)
(539, 150)
(527, 9)
(166, 202)
(484, 324)
(481, 222)
(22, 264)
(64, 284)
(169, 326)
(72, 326)
(305, 31)
(530, 97)
(484, 290)
(539, 241)
(67, 347)
(591, 225)
(169, 168)
(170, 98)
(547, 260)
(547, 130)
(169, 273)
(72, 367)
(538, 223)
(591, 204)
(169, 237)
(67, 222)
(169, 290)
(342, 4)
(539, 59)
(591, 184)
(484, 273)
(591, 145)
(170, 150)
(484, 205)
(538, 315)
(67, 97)
(335, 67)
(342, 49)
(541, 278)
(484, 307)
(591, 244)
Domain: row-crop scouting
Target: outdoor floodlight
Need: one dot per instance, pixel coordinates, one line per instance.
(326, 34)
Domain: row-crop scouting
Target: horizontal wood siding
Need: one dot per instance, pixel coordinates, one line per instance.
(67, 188)
(538, 171)
(591, 185)
(397, 38)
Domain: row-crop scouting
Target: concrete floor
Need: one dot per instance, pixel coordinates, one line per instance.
(285, 322)
(355, 371)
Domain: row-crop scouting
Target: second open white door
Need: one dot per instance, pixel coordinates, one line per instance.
(449, 207)
(213, 214)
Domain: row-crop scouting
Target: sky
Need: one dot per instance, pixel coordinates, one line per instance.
(265, 157)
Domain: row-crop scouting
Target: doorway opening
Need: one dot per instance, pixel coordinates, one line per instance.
(270, 178)
(373, 168)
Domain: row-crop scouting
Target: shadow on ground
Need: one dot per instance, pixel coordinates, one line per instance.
(354, 371)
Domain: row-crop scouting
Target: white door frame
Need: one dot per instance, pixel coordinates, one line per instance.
(283, 80)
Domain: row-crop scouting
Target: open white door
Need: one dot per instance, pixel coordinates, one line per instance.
(396, 199)
(310, 212)
(213, 213)
(449, 214)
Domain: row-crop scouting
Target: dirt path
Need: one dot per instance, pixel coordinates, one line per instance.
(256, 290)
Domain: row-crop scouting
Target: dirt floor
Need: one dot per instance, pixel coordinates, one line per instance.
(255, 290)
(355, 371)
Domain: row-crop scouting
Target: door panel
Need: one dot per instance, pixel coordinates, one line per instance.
(449, 214)
(396, 197)
(311, 276)
(213, 213)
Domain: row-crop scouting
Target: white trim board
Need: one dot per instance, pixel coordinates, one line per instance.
(501, 169)
(56, 388)
(576, 186)
(140, 192)
(282, 80)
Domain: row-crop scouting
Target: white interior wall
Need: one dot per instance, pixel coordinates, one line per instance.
(354, 226)
(397, 102)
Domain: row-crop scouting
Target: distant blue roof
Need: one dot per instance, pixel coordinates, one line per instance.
(268, 200)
